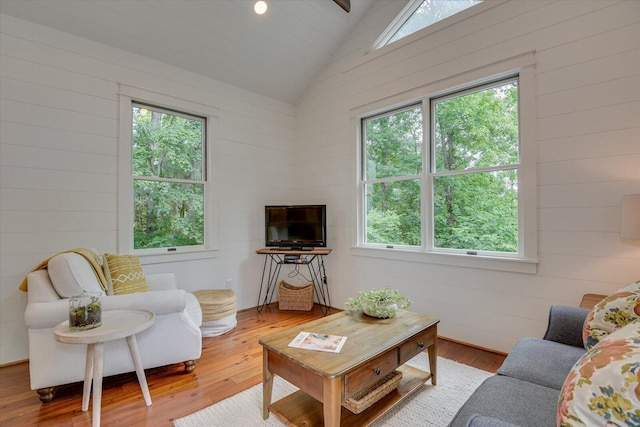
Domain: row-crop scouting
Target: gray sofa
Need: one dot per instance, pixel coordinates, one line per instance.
(525, 390)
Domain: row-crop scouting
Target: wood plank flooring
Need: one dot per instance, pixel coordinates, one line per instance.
(229, 364)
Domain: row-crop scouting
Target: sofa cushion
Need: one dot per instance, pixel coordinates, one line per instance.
(604, 386)
(71, 275)
(125, 274)
(543, 362)
(511, 401)
(613, 312)
(482, 421)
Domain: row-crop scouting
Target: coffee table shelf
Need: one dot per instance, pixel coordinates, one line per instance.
(300, 409)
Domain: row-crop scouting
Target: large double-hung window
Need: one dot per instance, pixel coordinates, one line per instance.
(474, 169)
(166, 190)
(169, 178)
(393, 177)
(442, 175)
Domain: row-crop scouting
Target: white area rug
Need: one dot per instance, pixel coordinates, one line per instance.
(431, 406)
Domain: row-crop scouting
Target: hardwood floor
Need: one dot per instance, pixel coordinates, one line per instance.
(229, 364)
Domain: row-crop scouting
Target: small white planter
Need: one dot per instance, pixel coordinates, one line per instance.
(379, 303)
(385, 312)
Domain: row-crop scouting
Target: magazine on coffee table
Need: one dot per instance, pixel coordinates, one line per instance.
(319, 342)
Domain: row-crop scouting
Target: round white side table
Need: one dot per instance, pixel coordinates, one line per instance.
(116, 324)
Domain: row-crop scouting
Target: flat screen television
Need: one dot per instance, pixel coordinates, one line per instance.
(295, 226)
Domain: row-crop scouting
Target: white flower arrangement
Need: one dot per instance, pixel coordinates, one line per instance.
(382, 303)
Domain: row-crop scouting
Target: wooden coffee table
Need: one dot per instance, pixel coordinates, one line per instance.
(374, 348)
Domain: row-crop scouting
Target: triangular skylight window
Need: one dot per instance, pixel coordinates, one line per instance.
(419, 14)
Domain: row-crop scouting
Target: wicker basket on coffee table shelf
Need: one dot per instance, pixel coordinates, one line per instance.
(366, 397)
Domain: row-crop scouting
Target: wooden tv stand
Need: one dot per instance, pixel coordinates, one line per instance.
(280, 251)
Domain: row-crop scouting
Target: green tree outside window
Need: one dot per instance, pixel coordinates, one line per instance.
(393, 164)
(475, 182)
(474, 160)
(168, 178)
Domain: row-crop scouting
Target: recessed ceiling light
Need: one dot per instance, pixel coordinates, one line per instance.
(260, 7)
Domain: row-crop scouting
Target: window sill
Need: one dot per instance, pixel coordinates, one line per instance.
(161, 258)
(514, 265)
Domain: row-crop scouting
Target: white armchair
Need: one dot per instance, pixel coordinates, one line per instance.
(174, 337)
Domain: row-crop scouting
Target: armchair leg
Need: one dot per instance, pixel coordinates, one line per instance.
(46, 394)
(189, 366)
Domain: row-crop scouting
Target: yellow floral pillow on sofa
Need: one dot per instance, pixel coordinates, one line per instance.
(603, 387)
(612, 313)
(124, 274)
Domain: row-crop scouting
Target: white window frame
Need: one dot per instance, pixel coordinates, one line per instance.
(432, 173)
(526, 260)
(411, 7)
(129, 95)
(390, 179)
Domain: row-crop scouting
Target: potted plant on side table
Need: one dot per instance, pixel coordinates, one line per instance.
(85, 311)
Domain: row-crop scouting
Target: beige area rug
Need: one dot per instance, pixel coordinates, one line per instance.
(431, 406)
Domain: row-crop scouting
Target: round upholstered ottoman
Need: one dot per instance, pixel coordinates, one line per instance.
(218, 311)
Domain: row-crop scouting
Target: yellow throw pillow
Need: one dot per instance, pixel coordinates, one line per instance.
(125, 274)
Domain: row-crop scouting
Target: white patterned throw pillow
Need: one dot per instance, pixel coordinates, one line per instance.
(612, 313)
(603, 387)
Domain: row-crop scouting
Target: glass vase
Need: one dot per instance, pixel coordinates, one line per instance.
(85, 311)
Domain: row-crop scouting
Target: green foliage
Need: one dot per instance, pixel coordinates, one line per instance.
(477, 130)
(393, 212)
(473, 209)
(476, 212)
(168, 172)
(394, 149)
(381, 303)
(394, 145)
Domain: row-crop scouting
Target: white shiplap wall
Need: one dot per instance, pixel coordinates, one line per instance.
(58, 160)
(588, 124)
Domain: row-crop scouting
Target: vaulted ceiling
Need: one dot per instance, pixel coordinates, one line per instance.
(277, 54)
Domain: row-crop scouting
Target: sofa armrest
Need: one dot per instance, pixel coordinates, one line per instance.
(566, 324)
(161, 282)
(40, 288)
(41, 315)
(160, 302)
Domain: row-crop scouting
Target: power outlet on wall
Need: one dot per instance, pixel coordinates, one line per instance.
(228, 284)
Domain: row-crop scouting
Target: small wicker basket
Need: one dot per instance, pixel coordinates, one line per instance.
(216, 303)
(295, 297)
(374, 392)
